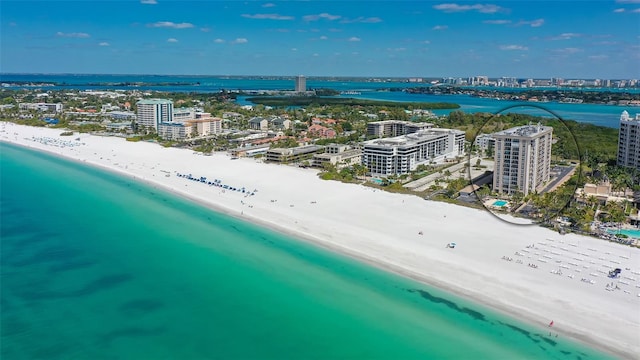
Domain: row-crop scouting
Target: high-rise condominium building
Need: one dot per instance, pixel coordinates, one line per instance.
(402, 154)
(152, 112)
(522, 159)
(629, 141)
(301, 84)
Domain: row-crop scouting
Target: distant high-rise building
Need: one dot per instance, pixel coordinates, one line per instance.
(629, 141)
(152, 112)
(522, 159)
(301, 84)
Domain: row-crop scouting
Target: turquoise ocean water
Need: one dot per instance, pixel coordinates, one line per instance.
(96, 266)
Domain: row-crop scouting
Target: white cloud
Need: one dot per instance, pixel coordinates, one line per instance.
(104, 43)
(566, 36)
(532, 23)
(219, 41)
(205, 29)
(148, 2)
(636, 10)
(240, 41)
(268, 5)
(353, 38)
(172, 40)
(361, 19)
(567, 50)
(628, 1)
(268, 16)
(323, 37)
(325, 16)
(396, 49)
(440, 27)
(316, 54)
(497, 22)
(482, 8)
(172, 25)
(598, 57)
(294, 49)
(620, 10)
(513, 47)
(78, 35)
(425, 42)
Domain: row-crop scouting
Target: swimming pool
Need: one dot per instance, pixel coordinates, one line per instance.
(629, 232)
(499, 203)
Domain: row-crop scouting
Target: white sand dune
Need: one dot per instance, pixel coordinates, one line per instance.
(568, 286)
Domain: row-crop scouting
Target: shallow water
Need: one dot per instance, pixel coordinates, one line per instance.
(97, 266)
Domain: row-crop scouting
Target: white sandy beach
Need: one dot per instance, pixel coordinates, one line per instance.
(384, 229)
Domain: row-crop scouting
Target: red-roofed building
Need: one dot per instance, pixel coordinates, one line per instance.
(321, 132)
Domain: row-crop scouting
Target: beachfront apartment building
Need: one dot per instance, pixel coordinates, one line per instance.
(174, 131)
(629, 141)
(48, 107)
(338, 155)
(402, 154)
(522, 159)
(176, 124)
(152, 112)
(388, 128)
(291, 155)
(199, 127)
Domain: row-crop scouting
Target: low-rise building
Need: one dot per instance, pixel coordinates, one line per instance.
(122, 115)
(49, 107)
(601, 192)
(279, 123)
(258, 123)
(337, 155)
(321, 132)
(484, 142)
(174, 131)
(250, 151)
(289, 155)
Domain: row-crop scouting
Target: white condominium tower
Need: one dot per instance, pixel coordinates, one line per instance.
(301, 84)
(402, 154)
(152, 112)
(629, 141)
(522, 159)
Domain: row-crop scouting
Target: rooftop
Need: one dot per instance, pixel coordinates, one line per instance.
(420, 135)
(525, 130)
(154, 102)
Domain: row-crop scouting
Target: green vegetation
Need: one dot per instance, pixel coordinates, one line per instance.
(599, 143)
(315, 100)
(284, 143)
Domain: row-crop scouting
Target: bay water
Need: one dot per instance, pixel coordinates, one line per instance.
(97, 266)
(597, 114)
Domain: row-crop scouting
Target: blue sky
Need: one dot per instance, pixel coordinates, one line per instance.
(540, 39)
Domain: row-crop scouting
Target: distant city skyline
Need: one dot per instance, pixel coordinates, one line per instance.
(522, 39)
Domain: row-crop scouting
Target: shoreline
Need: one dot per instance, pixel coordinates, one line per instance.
(492, 284)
